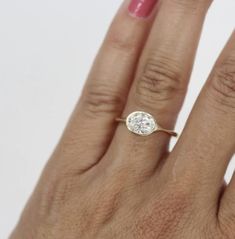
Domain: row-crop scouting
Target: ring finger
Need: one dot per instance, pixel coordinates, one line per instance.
(161, 80)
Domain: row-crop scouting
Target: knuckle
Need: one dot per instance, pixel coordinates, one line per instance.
(222, 84)
(100, 99)
(107, 205)
(160, 82)
(179, 193)
(171, 208)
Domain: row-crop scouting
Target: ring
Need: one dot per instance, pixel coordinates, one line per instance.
(143, 124)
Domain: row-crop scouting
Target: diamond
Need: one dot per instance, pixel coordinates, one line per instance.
(141, 123)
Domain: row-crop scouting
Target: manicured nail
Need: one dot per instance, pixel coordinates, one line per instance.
(141, 8)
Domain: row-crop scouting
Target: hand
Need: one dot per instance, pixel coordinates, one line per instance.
(104, 181)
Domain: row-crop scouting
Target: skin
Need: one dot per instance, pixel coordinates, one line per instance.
(103, 181)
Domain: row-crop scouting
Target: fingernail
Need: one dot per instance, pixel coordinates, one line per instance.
(141, 8)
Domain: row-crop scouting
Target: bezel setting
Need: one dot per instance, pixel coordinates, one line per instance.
(141, 123)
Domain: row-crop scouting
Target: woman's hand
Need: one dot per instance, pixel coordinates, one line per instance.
(105, 182)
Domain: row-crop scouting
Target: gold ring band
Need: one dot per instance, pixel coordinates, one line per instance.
(143, 124)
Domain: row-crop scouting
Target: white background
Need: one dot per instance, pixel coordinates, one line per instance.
(46, 49)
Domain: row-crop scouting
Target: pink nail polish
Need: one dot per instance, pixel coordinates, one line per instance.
(141, 8)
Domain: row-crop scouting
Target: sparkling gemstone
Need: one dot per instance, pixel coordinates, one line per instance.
(141, 123)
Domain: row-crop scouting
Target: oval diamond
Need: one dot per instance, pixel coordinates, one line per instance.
(141, 123)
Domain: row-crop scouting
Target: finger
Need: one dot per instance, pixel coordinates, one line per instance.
(161, 80)
(207, 144)
(92, 124)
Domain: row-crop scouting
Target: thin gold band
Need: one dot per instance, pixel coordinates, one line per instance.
(122, 120)
(159, 128)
